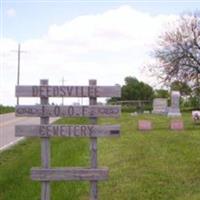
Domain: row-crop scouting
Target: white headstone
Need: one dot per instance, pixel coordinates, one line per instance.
(159, 106)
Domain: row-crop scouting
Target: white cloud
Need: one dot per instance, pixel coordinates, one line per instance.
(107, 47)
(11, 12)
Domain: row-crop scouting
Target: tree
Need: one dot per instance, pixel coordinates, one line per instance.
(161, 93)
(136, 90)
(182, 87)
(178, 52)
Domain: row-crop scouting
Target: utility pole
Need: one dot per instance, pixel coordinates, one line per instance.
(63, 82)
(18, 69)
(18, 66)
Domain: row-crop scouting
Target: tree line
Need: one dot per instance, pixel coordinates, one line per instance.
(6, 109)
(133, 90)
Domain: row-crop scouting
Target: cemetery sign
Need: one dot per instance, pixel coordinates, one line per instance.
(45, 174)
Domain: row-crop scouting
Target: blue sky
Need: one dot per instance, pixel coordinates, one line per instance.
(34, 17)
(81, 40)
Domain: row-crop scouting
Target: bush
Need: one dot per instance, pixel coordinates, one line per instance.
(130, 109)
(193, 103)
(6, 109)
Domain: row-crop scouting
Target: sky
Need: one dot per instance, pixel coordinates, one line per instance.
(80, 40)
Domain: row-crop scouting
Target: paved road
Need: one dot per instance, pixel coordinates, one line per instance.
(7, 127)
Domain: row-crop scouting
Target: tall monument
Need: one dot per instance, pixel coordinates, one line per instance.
(174, 109)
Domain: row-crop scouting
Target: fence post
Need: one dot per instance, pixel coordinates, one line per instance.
(45, 147)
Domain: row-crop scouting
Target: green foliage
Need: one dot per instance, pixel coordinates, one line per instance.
(136, 90)
(6, 109)
(182, 87)
(113, 100)
(161, 93)
(194, 101)
(191, 103)
(131, 109)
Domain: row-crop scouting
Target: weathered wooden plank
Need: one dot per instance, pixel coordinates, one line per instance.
(45, 148)
(67, 174)
(67, 130)
(68, 91)
(93, 148)
(67, 111)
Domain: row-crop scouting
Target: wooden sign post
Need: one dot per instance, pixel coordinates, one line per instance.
(45, 148)
(93, 147)
(45, 174)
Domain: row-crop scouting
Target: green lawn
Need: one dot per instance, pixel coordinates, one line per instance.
(155, 165)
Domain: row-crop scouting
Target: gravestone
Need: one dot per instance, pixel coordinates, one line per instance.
(159, 106)
(176, 125)
(174, 109)
(144, 125)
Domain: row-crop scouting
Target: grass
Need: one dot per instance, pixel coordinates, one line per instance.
(155, 165)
